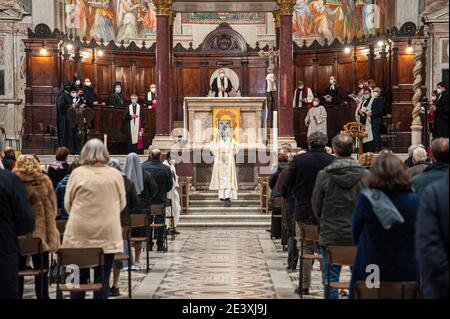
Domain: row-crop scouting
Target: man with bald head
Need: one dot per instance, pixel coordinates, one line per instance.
(419, 159)
(437, 170)
(163, 178)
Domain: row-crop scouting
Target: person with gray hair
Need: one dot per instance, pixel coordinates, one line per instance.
(409, 161)
(419, 162)
(335, 192)
(95, 197)
(301, 179)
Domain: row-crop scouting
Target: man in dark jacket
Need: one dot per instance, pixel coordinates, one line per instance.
(333, 94)
(301, 179)
(9, 160)
(16, 219)
(377, 118)
(419, 158)
(437, 170)
(337, 187)
(441, 112)
(163, 178)
(432, 240)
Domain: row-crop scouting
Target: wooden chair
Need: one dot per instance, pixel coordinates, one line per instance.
(307, 233)
(141, 221)
(339, 255)
(83, 258)
(31, 246)
(171, 219)
(159, 210)
(126, 236)
(387, 290)
(11, 142)
(278, 202)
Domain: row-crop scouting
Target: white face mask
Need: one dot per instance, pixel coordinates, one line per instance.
(433, 98)
(88, 83)
(315, 103)
(439, 91)
(153, 90)
(77, 82)
(331, 82)
(222, 75)
(376, 94)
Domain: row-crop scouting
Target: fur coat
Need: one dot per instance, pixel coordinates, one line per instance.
(43, 201)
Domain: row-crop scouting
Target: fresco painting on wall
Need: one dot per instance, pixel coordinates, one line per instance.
(342, 19)
(119, 20)
(219, 17)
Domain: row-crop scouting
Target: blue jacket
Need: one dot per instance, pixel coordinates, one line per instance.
(432, 240)
(392, 250)
(60, 193)
(431, 174)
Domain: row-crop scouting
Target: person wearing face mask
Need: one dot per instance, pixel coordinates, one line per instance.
(116, 98)
(221, 86)
(89, 94)
(377, 118)
(76, 83)
(363, 115)
(134, 118)
(333, 94)
(151, 97)
(434, 97)
(316, 119)
(303, 95)
(441, 112)
(63, 103)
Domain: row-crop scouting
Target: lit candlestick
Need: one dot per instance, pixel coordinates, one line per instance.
(275, 132)
(105, 140)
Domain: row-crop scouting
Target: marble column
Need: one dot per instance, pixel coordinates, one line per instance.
(285, 79)
(163, 122)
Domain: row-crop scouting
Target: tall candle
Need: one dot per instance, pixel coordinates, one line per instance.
(275, 131)
(105, 140)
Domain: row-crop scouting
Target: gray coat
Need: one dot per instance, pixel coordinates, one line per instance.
(335, 192)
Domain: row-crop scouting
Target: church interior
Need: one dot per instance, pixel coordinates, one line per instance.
(192, 71)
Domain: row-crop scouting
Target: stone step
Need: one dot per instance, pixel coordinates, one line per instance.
(221, 218)
(222, 225)
(220, 210)
(217, 203)
(213, 195)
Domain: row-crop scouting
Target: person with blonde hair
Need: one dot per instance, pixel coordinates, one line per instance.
(43, 202)
(95, 196)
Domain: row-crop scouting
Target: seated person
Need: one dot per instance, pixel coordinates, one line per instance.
(116, 98)
(151, 97)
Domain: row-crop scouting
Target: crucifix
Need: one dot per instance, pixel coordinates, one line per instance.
(271, 54)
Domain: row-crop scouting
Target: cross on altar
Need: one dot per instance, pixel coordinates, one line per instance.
(271, 54)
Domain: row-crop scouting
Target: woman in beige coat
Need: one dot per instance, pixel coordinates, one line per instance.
(43, 201)
(95, 196)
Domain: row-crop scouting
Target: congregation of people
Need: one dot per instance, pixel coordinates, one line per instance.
(394, 212)
(96, 196)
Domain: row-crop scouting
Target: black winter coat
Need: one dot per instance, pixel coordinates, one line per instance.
(163, 178)
(16, 219)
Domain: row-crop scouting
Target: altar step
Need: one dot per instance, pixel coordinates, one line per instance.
(206, 211)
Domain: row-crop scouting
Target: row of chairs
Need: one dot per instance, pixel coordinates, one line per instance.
(87, 258)
(344, 256)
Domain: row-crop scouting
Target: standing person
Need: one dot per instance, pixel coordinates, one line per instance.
(441, 112)
(163, 178)
(275, 229)
(151, 97)
(95, 196)
(43, 201)
(134, 117)
(133, 204)
(439, 167)
(224, 177)
(173, 195)
(221, 86)
(116, 98)
(316, 118)
(333, 200)
(16, 219)
(363, 115)
(59, 168)
(432, 240)
(301, 179)
(63, 103)
(383, 223)
(61, 191)
(89, 93)
(333, 94)
(9, 159)
(419, 162)
(146, 188)
(376, 118)
(303, 95)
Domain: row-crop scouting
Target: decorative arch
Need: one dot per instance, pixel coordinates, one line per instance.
(224, 40)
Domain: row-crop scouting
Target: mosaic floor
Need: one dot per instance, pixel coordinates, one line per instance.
(212, 264)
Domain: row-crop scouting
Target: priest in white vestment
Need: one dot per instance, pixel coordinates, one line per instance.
(224, 177)
(363, 115)
(221, 86)
(134, 118)
(316, 118)
(173, 195)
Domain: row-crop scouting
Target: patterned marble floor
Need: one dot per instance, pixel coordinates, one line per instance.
(225, 264)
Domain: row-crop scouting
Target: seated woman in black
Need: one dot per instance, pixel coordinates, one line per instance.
(116, 98)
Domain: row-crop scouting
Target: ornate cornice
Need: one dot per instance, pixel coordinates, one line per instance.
(286, 7)
(163, 7)
(276, 18)
(172, 17)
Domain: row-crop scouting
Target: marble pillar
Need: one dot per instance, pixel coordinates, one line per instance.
(163, 139)
(285, 79)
